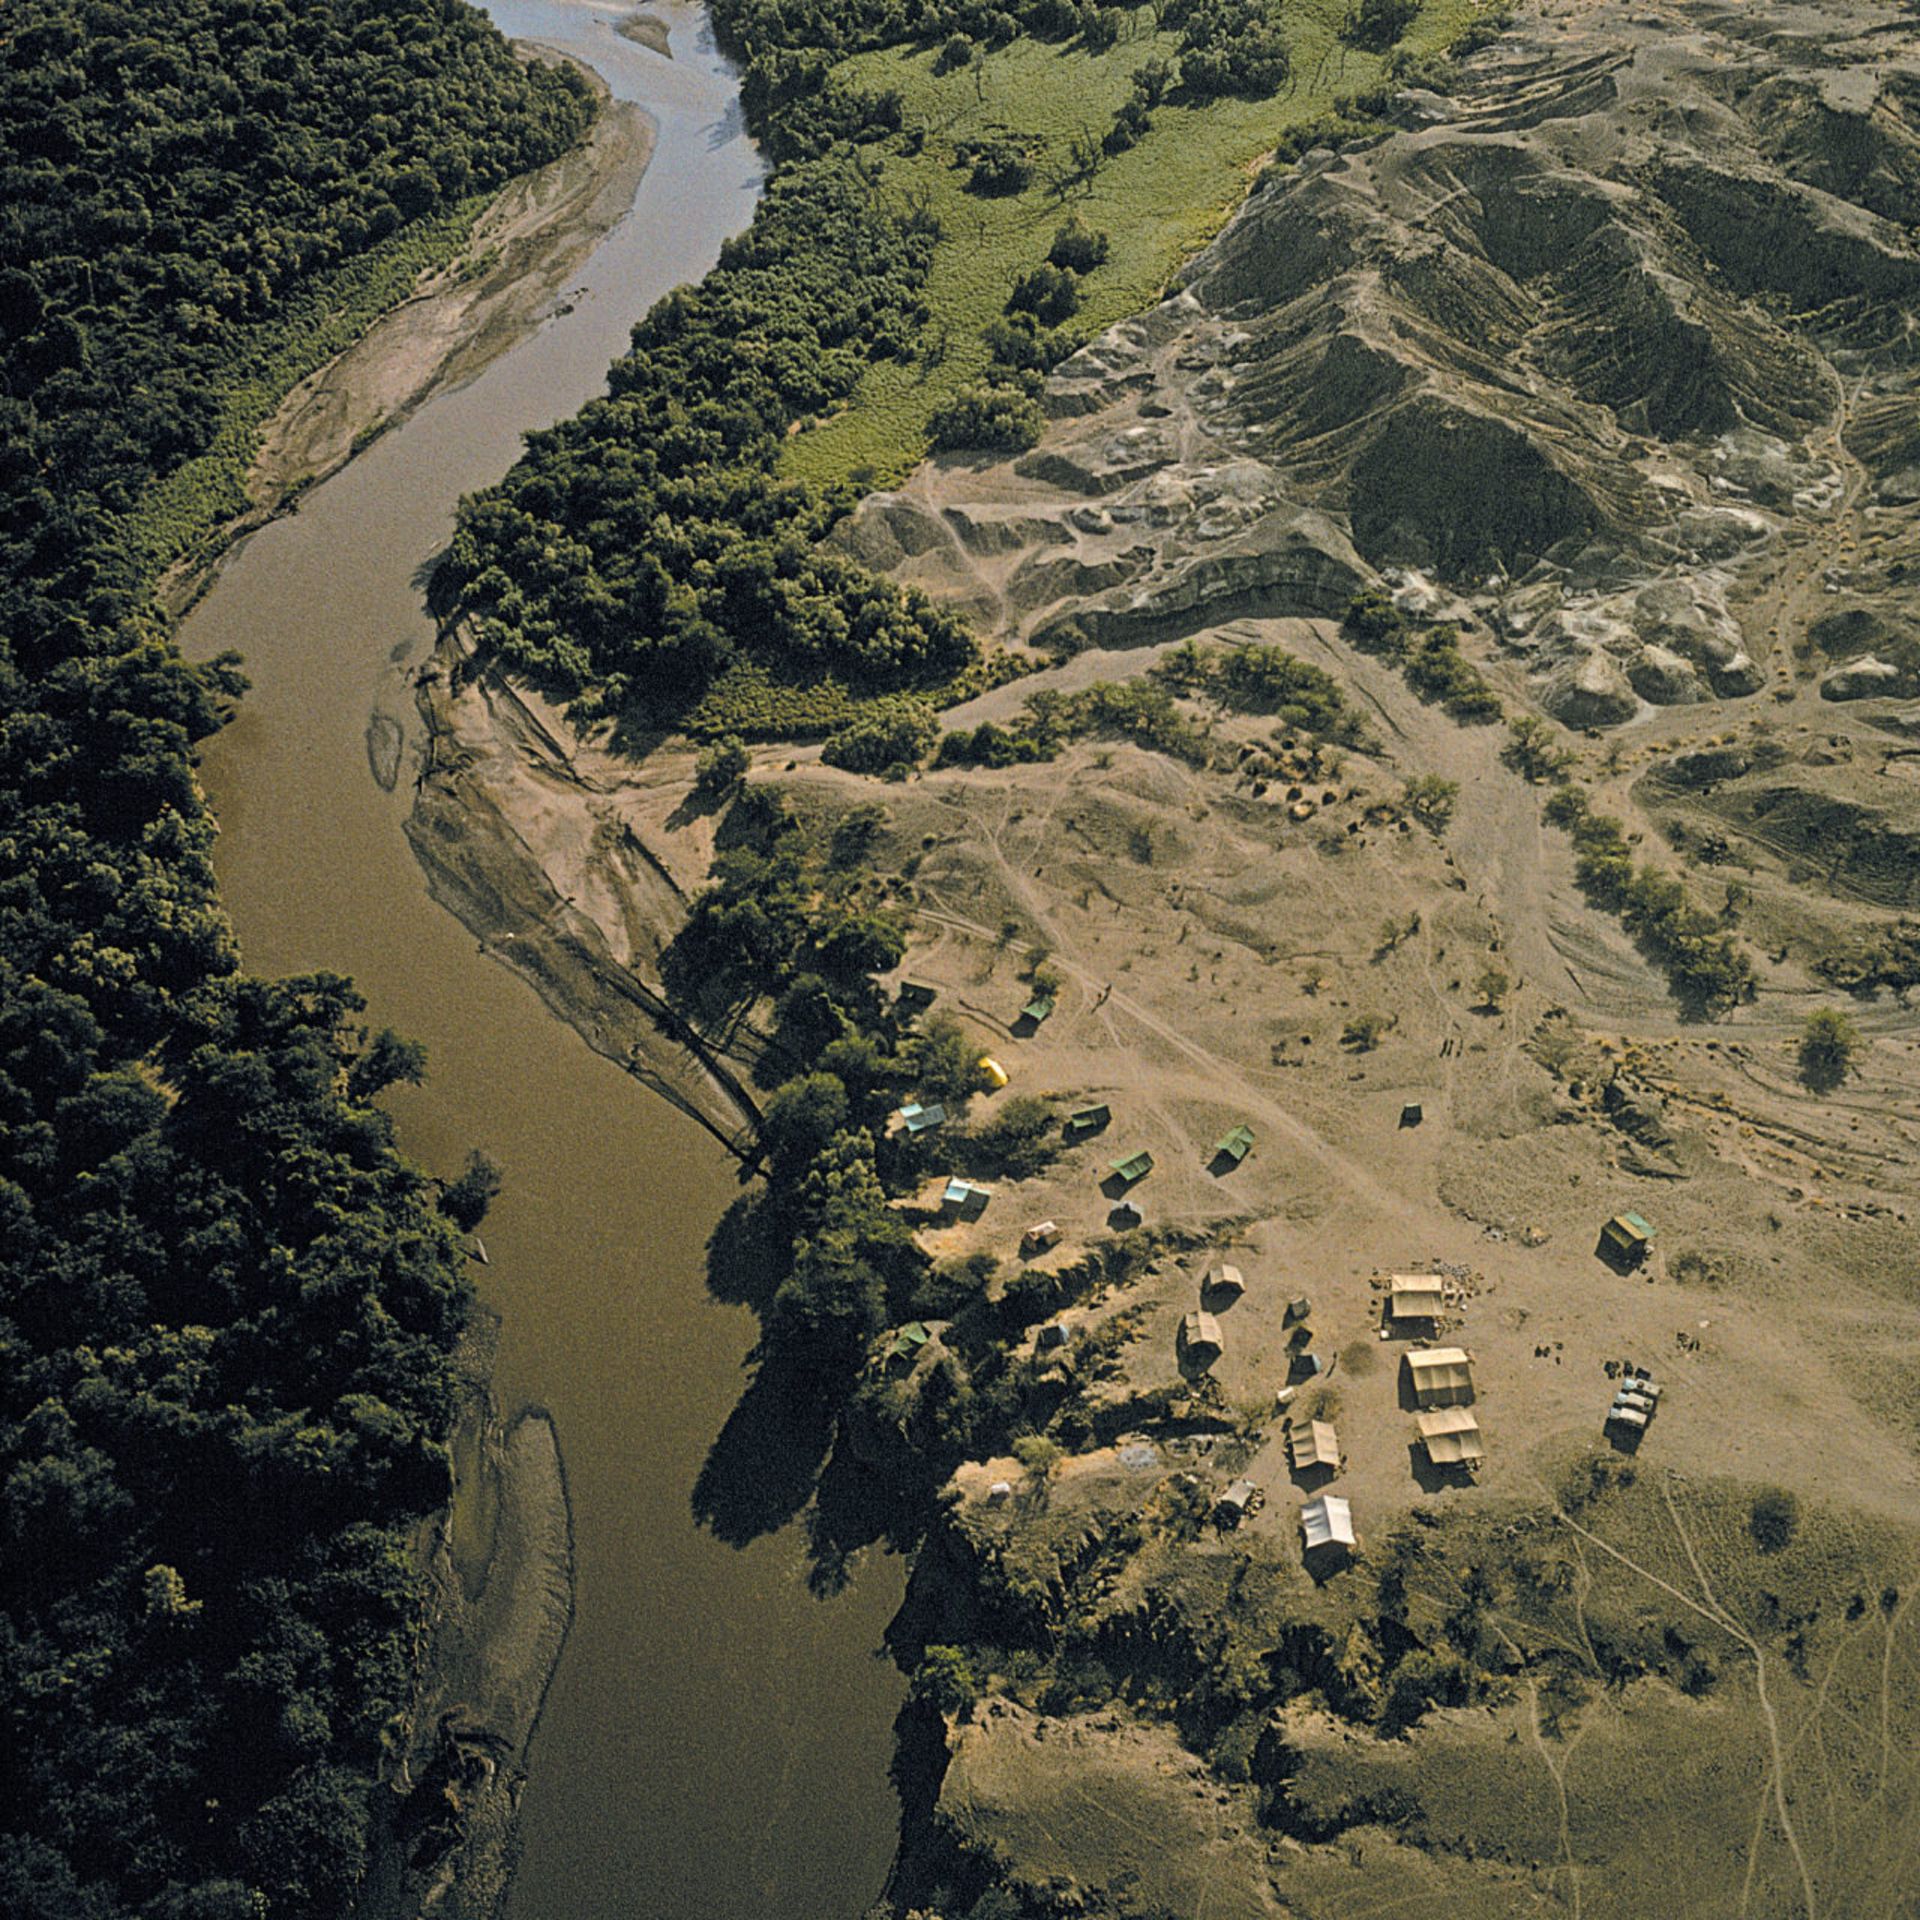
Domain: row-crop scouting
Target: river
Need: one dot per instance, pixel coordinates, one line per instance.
(716, 1740)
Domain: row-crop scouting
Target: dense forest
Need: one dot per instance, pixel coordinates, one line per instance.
(227, 1307)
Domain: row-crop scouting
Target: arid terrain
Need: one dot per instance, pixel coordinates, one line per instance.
(1607, 359)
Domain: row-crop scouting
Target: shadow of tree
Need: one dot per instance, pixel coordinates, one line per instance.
(764, 1465)
(745, 1255)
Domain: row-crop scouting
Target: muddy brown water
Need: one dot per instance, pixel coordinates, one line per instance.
(716, 1740)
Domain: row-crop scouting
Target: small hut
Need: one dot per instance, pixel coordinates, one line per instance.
(1039, 1008)
(965, 1198)
(1416, 1296)
(916, 1119)
(1625, 1240)
(1038, 1238)
(908, 1342)
(1236, 1503)
(1084, 1122)
(1223, 1283)
(995, 1072)
(1234, 1146)
(1133, 1166)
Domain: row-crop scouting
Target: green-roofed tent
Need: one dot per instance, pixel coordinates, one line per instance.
(1039, 1008)
(1626, 1237)
(1234, 1146)
(1088, 1120)
(1136, 1166)
(909, 1340)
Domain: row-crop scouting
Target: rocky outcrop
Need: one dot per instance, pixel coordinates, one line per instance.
(1570, 343)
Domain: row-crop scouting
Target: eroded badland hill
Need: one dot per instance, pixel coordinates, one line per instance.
(1594, 384)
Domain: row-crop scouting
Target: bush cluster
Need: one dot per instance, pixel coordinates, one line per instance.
(1706, 967)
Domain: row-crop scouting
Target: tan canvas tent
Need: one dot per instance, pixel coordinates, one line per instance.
(1416, 1296)
(1314, 1444)
(1451, 1436)
(1442, 1376)
(1200, 1338)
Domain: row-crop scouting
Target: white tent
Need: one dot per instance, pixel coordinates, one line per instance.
(1327, 1522)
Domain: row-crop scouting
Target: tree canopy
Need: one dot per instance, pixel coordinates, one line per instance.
(227, 1306)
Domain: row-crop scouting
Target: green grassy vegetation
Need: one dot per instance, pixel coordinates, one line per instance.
(180, 517)
(1159, 200)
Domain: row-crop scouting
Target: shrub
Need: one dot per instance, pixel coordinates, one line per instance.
(1049, 293)
(1430, 800)
(465, 1201)
(1532, 751)
(945, 1681)
(955, 54)
(1154, 81)
(1774, 1519)
(1492, 986)
(1828, 1044)
(1099, 28)
(1019, 1140)
(996, 418)
(1377, 24)
(999, 166)
(721, 768)
(1077, 247)
(1131, 124)
(1365, 1031)
(1230, 46)
(896, 735)
(1020, 345)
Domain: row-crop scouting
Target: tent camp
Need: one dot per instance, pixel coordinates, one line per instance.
(1451, 1436)
(1200, 1338)
(1442, 1376)
(1327, 1522)
(1314, 1444)
(1416, 1296)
